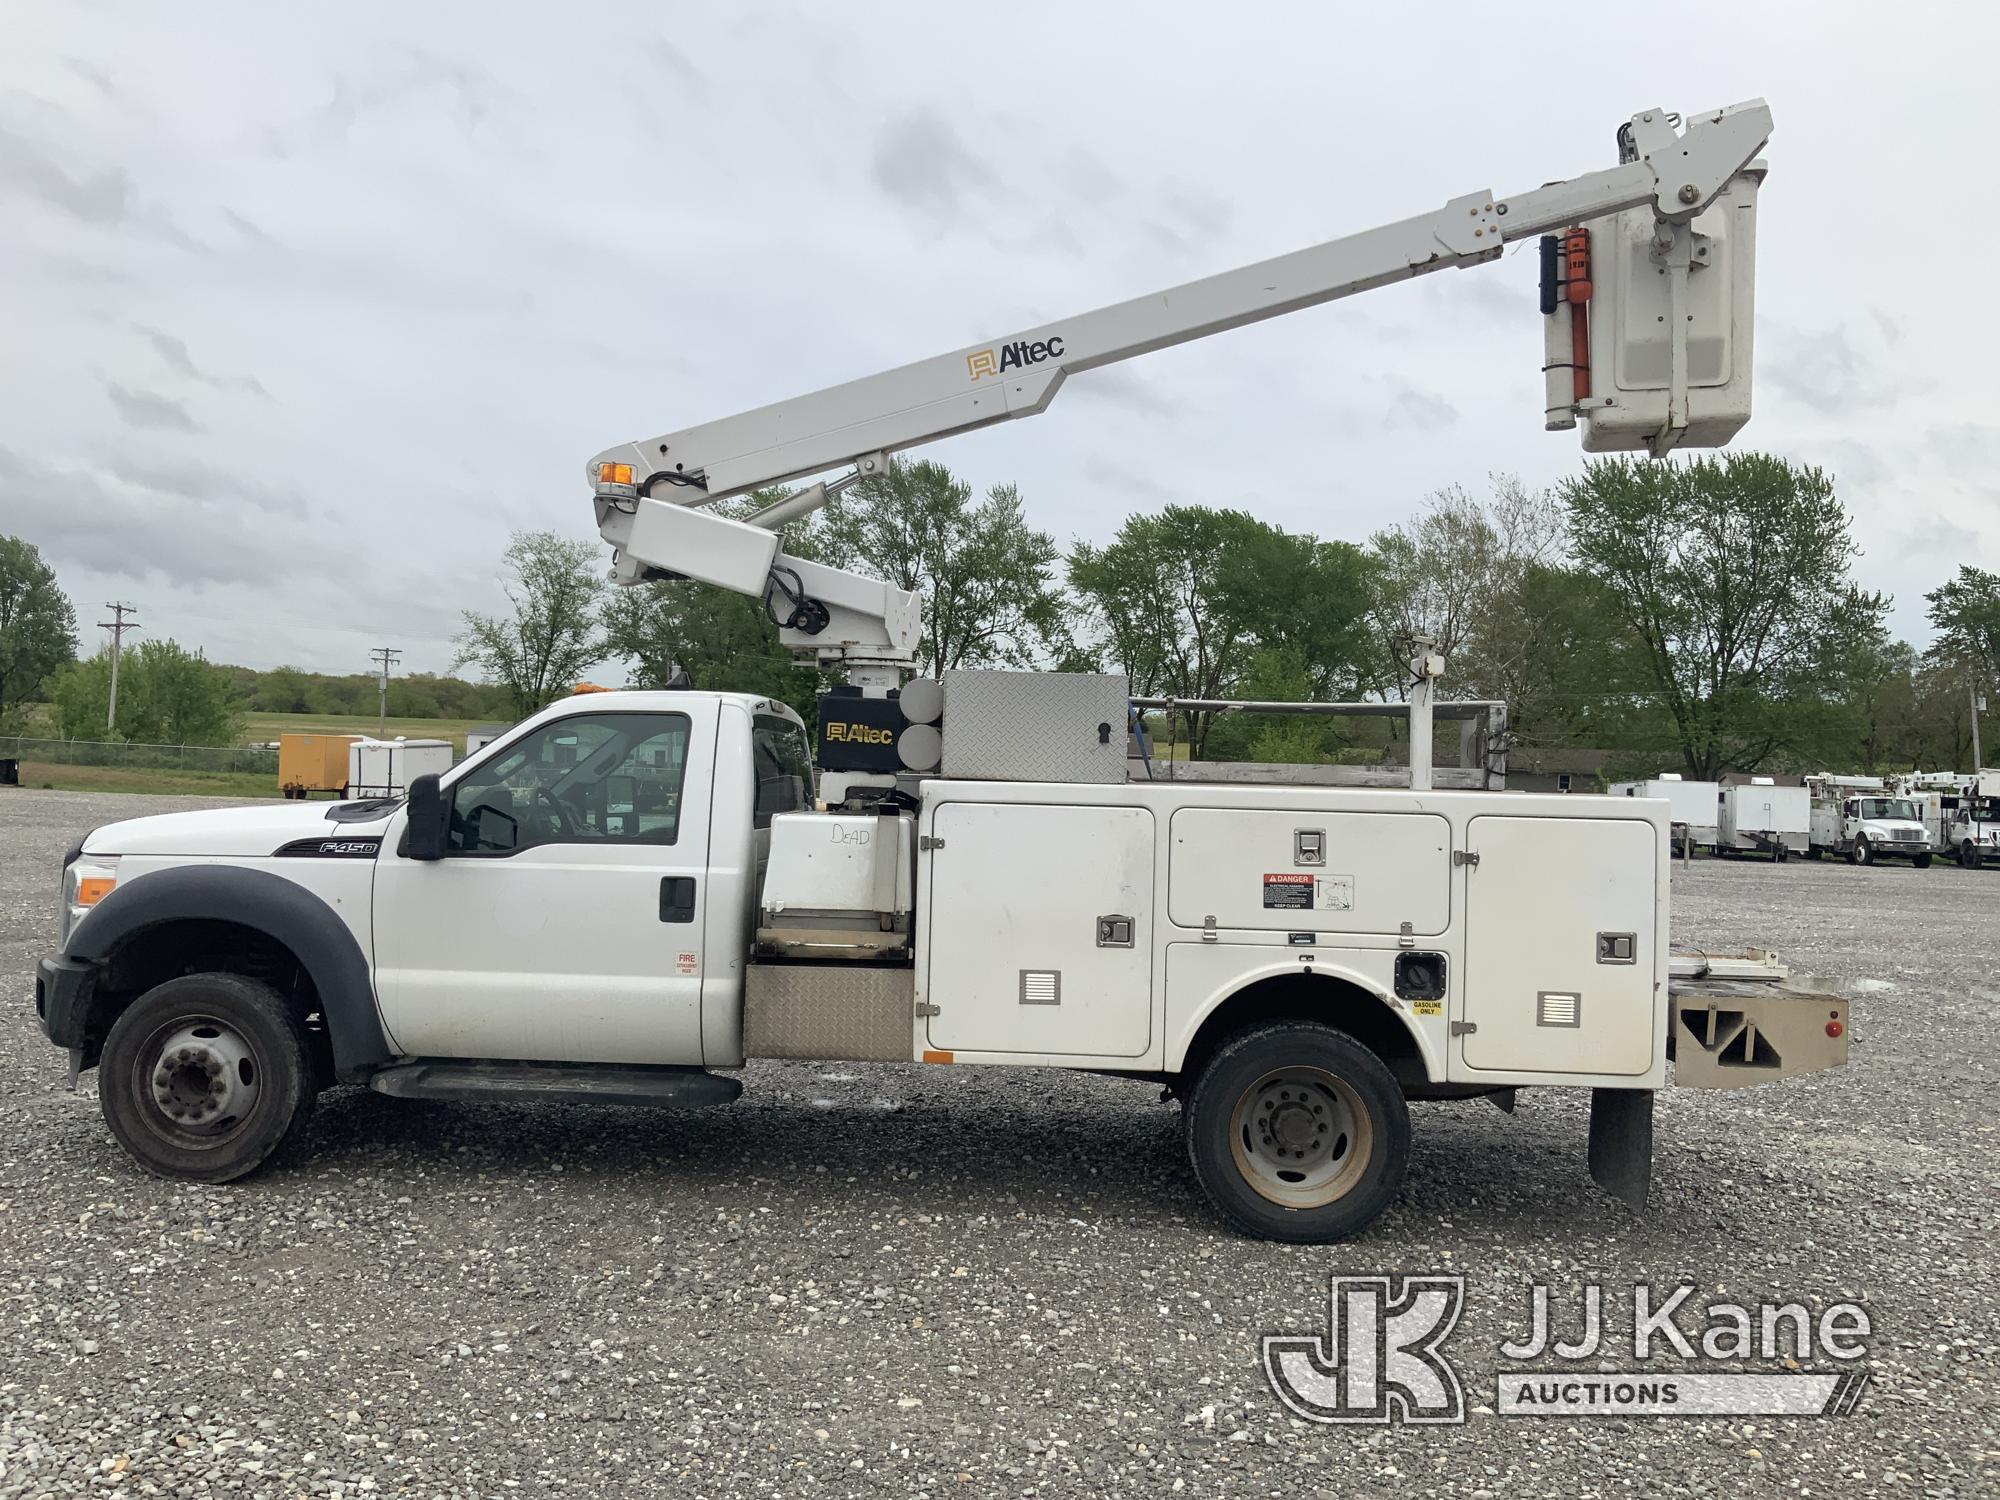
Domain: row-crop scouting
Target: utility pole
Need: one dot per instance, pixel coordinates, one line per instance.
(385, 658)
(1972, 692)
(118, 625)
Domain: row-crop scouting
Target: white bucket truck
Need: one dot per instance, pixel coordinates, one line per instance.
(630, 895)
(1862, 819)
(1961, 811)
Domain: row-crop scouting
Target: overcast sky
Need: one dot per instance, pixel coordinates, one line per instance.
(305, 310)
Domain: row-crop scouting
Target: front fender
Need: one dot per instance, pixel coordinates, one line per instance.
(270, 904)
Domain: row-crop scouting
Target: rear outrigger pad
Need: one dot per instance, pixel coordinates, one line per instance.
(1621, 1143)
(557, 1083)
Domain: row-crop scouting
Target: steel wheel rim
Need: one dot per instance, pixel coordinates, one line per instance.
(197, 1081)
(1301, 1137)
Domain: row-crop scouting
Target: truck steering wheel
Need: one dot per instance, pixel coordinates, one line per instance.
(560, 823)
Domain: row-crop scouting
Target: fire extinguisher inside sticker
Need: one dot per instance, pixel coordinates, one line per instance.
(1293, 892)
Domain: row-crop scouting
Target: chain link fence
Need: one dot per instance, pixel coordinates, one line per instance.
(138, 757)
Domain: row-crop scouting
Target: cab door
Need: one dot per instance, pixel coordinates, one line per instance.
(565, 922)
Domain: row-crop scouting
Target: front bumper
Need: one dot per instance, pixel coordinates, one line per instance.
(62, 999)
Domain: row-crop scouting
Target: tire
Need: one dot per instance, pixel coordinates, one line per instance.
(1780, 854)
(1323, 1096)
(1921, 861)
(1863, 853)
(241, 1090)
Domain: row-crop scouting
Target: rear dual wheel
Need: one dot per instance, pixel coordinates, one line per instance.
(1298, 1132)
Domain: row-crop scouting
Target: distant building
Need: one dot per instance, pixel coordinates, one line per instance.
(1559, 770)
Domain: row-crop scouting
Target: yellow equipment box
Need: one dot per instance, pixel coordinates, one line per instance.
(309, 763)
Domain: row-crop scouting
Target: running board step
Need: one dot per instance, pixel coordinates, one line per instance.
(557, 1083)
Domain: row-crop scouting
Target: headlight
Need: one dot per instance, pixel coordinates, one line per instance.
(87, 880)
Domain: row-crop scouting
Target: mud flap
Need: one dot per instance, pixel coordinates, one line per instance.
(1621, 1143)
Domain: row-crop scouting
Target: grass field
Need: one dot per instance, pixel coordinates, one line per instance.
(49, 775)
(259, 729)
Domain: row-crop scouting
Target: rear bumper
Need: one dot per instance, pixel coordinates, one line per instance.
(62, 999)
(1728, 1034)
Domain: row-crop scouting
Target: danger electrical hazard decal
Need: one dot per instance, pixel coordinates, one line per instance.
(1293, 892)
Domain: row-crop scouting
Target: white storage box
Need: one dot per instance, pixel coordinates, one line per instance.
(839, 864)
(385, 768)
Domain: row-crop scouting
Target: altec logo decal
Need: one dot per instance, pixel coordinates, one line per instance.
(1015, 356)
(858, 734)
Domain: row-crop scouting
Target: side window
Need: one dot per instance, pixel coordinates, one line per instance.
(783, 766)
(591, 778)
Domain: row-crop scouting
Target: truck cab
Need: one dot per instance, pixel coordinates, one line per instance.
(1879, 827)
(607, 852)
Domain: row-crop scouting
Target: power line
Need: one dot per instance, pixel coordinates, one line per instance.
(117, 625)
(385, 658)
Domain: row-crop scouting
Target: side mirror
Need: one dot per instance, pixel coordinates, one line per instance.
(430, 819)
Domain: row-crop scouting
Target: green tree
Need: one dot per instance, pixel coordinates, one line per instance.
(167, 695)
(721, 640)
(37, 624)
(984, 578)
(553, 636)
(1966, 612)
(1200, 603)
(1732, 576)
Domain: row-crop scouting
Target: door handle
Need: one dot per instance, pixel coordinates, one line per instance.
(677, 898)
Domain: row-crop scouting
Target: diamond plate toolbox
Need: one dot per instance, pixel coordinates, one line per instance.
(1035, 726)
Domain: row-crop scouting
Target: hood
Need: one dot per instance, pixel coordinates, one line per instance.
(244, 832)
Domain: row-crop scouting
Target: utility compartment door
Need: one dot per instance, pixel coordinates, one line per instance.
(1310, 871)
(1015, 958)
(1542, 997)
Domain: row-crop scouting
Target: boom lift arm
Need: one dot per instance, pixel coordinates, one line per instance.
(650, 493)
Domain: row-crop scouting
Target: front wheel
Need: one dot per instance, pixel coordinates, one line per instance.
(1968, 855)
(206, 1077)
(1864, 853)
(1921, 861)
(1297, 1132)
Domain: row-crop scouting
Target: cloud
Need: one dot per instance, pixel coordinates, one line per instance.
(920, 162)
(1827, 370)
(175, 354)
(1099, 470)
(136, 531)
(102, 198)
(149, 409)
(1121, 386)
(1426, 411)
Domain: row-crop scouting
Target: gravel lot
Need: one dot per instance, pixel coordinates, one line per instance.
(956, 1281)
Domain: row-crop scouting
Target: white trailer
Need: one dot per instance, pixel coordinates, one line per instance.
(1696, 804)
(1763, 816)
(385, 768)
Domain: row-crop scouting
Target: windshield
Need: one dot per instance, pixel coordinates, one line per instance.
(1888, 807)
